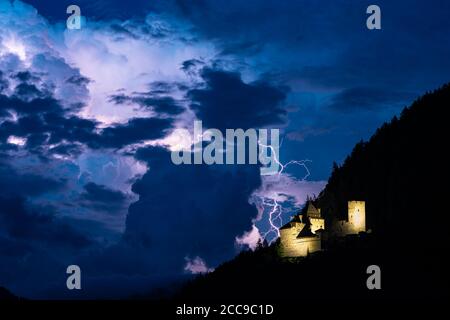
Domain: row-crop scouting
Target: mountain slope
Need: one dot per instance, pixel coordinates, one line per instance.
(400, 173)
(6, 295)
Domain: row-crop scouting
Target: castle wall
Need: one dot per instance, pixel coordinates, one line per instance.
(291, 233)
(299, 247)
(342, 228)
(317, 224)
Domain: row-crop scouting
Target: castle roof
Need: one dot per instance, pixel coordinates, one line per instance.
(288, 225)
(305, 232)
(312, 211)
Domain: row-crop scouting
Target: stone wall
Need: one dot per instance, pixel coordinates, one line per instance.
(317, 224)
(299, 247)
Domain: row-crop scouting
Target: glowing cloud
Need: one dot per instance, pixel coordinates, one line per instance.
(18, 141)
(15, 46)
(196, 265)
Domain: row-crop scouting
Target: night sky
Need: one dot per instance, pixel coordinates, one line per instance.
(87, 116)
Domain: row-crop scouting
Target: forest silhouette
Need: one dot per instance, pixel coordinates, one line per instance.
(402, 173)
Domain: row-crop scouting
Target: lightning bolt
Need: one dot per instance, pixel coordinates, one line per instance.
(275, 209)
(284, 166)
(274, 214)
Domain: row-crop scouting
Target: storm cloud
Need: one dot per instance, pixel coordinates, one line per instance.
(228, 102)
(203, 225)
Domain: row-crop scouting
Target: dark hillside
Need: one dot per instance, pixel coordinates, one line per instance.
(402, 174)
(6, 295)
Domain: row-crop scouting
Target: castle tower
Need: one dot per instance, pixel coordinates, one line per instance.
(357, 216)
(315, 218)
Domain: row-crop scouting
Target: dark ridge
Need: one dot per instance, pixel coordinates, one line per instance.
(6, 295)
(401, 173)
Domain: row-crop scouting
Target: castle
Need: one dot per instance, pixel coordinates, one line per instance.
(304, 233)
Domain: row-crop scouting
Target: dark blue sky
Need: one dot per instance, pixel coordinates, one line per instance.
(85, 115)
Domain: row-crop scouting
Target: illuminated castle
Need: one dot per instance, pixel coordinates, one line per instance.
(303, 234)
(356, 220)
